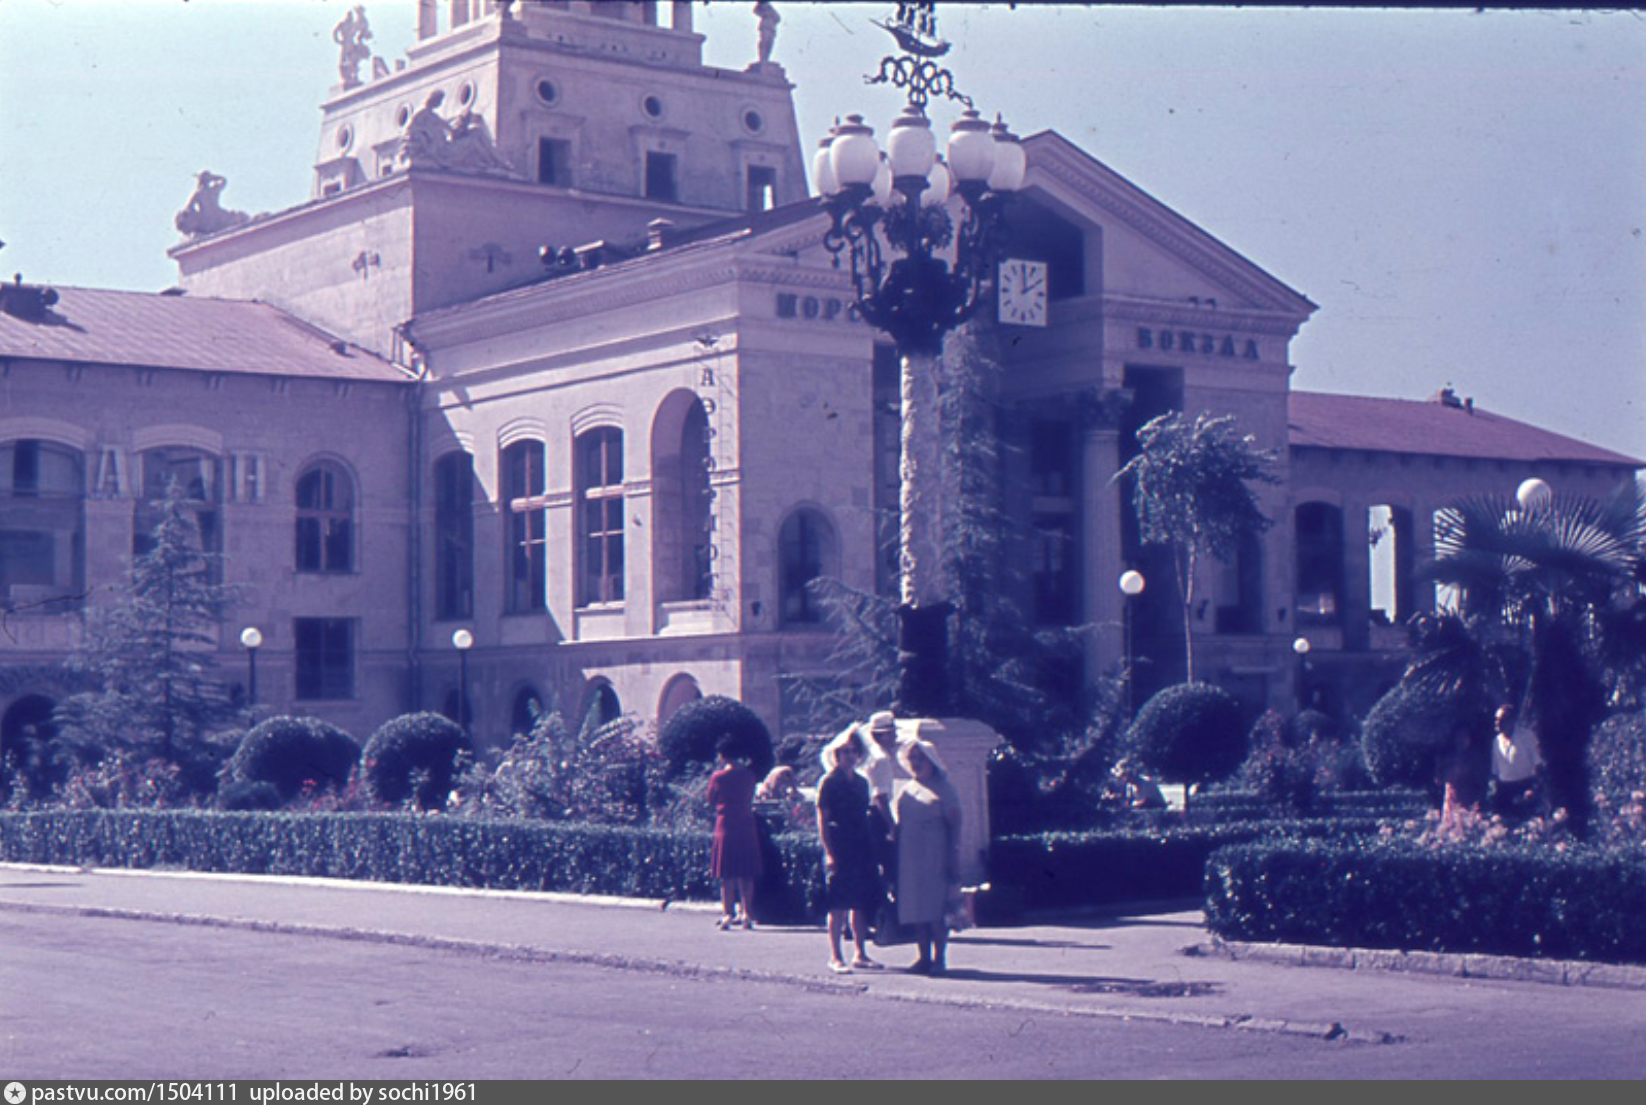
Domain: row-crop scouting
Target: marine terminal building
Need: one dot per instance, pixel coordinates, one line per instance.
(553, 354)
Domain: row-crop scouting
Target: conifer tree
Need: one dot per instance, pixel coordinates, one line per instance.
(150, 653)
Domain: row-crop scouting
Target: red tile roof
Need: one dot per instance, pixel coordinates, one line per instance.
(1433, 428)
(101, 326)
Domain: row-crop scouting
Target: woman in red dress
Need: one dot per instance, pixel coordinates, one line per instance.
(735, 858)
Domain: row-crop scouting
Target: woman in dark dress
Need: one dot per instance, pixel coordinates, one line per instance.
(735, 858)
(848, 856)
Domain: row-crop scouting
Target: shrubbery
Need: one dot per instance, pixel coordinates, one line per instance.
(1524, 901)
(1404, 733)
(1294, 763)
(604, 774)
(1617, 758)
(690, 735)
(1068, 870)
(1191, 733)
(414, 757)
(291, 754)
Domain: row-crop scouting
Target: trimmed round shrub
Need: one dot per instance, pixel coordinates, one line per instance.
(1404, 733)
(690, 735)
(1190, 733)
(291, 753)
(414, 756)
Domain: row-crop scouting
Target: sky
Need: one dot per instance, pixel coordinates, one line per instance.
(1462, 192)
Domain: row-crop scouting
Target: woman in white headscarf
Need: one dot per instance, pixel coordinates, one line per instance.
(852, 880)
(928, 852)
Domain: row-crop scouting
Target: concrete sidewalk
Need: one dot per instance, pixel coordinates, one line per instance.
(1158, 965)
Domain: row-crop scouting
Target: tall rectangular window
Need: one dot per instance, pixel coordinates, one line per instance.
(525, 484)
(325, 658)
(325, 520)
(454, 536)
(762, 188)
(554, 162)
(661, 183)
(600, 516)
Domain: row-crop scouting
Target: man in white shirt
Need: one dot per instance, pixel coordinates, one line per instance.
(1517, 765)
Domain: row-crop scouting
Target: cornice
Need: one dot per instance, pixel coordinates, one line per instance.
(1117, 308)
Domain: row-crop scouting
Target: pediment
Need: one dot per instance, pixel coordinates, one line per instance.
(1149, 253)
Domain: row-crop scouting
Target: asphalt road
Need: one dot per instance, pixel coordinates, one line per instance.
(100, 997)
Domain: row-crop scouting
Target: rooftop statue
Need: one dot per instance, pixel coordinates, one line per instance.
(464, 145)
(204, 214)
(769, 19)
(351, 35)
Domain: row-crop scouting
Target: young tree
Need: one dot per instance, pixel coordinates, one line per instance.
(150, 654)
(1192, 490)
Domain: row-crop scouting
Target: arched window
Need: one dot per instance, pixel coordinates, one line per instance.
(805, 551)
(600, 516)
(525, 487)
(676, 693)
(325, 519)
(42, 526)
(681, 517)
(454, 536)
(198, 476)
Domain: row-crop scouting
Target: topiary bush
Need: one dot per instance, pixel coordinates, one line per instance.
(1404, 733)
(414, 757)
(691, 733)
(1191, 733)
(292, 754)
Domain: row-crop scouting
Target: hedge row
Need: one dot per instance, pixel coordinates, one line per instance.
(407, 848)
(1579, 904)
(1070, 870)
(1236, 805)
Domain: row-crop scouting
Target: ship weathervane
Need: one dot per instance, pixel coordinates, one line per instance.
(915, 29)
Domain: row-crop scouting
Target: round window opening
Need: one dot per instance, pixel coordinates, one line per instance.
(402, 116)
(465, 95)
(547, 92)
(753, 122)
(345, 136)
(653, 106)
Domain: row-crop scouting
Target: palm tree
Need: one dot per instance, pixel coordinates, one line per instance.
(1545, 578)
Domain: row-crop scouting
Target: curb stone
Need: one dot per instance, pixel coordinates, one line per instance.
(1507, 968)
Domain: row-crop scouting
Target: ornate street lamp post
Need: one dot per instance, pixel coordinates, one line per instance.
(917, 276)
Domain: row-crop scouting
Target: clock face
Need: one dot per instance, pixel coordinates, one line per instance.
(1022, 286)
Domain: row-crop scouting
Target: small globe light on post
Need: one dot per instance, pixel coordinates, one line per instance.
(251, 639)
(1301, 646)
(462, 641)
(1131, 585)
